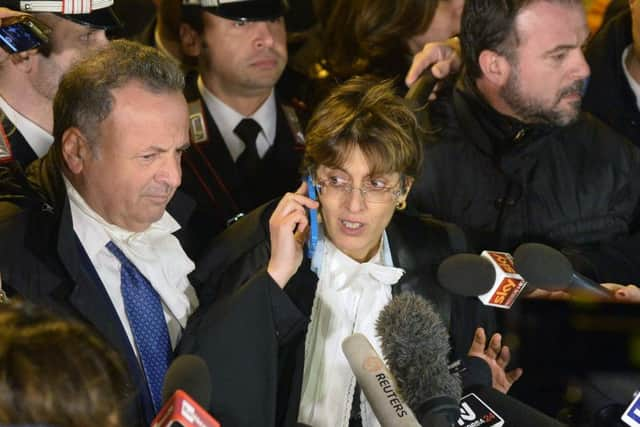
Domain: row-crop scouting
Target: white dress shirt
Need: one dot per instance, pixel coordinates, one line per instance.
(155, 252)
(227, 119)
(38, 139)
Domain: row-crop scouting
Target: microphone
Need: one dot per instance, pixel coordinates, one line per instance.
(490, 276)
(485, 406)
(631, 415)
(377, 384)
(415, 344)
(547, 268)
(186, 392)
(419, 91)
(468, 275)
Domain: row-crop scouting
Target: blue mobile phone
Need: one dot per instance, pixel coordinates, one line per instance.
(21, 33)
(313, 219)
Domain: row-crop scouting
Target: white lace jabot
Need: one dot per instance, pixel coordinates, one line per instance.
(349, 297)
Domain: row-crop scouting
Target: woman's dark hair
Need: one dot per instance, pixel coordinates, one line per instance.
(371, 36)
(56, 371)
(364, 113)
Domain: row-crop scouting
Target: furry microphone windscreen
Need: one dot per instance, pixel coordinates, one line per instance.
(415, 345)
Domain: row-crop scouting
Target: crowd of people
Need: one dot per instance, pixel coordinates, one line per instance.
(210, 178)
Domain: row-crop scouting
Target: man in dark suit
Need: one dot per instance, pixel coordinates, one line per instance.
(28, 82)
(246, 143)
(94, 239)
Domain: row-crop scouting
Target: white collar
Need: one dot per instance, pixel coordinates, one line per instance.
(38, 139)
(227, 119)
(156, 252)
(95, 232)
(635, 86)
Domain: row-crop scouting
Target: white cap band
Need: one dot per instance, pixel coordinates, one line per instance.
(209, 3)
(67, 7)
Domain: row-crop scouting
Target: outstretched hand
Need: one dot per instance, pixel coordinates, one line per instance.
(497, 357)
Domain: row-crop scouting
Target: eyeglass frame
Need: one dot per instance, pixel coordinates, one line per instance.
(348, 188)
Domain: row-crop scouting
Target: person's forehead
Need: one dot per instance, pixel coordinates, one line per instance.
(60, 25)
(549, 23)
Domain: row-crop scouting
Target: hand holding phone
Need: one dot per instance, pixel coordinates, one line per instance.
(289, 229)
(21, 33)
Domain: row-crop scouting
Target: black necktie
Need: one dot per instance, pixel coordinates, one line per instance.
(248, 130)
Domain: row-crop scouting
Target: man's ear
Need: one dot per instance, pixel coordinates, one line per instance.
(190, 40)
(495, 67)
(75, 149)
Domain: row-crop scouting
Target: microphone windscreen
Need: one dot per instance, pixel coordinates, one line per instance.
(512, 411)
(542, 266)
(190, 374)
(468, 275)
(415, 344)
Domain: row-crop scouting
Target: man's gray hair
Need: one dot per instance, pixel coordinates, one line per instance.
(84, 98)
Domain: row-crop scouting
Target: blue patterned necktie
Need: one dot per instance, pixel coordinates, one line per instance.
(146, 318)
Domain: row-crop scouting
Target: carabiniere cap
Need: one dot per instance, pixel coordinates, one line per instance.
(242, 10)
(93, 13)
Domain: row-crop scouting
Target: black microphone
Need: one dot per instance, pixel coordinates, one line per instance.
(547, 268)
(468, 275)
(186, 391)
(419, 91)
(487, 406)
(415, 344)
(490, 276)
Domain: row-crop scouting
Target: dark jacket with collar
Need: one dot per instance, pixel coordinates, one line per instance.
(43, 261)
(575, 187)
(609, 96)
(211, 177)
(253, 337)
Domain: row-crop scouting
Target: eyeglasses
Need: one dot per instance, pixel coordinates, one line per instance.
(335, 187)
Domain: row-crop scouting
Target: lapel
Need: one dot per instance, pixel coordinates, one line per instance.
(212, 161)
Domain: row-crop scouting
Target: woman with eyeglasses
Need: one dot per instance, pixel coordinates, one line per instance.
(273, 338)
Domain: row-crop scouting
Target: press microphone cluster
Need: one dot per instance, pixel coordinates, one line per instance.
(497, 278)
(415, 345)
(417, 388)
(186, 392)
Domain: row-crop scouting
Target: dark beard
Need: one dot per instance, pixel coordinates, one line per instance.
(530, 111)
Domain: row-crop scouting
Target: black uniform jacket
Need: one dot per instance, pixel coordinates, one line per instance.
(609, 96)
(575, 187)
(211, 177)
(42, 260)
(252, 338)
